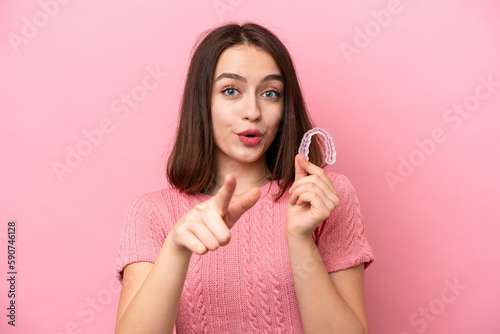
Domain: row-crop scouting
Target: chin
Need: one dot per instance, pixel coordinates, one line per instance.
(248, 158)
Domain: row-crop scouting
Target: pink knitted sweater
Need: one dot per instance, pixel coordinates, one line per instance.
(246, 286)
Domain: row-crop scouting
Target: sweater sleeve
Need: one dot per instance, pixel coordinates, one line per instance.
(341, 237)
(142, 235)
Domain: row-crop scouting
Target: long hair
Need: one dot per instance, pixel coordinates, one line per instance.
(191, 167)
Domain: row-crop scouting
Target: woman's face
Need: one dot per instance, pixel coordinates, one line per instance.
(247, 104)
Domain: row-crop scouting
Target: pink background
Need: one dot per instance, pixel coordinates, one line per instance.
(381, 76)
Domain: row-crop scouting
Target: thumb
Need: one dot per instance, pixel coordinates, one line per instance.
(238, 208)
(300, 172)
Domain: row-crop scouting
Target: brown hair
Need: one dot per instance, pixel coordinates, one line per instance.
(191, 166)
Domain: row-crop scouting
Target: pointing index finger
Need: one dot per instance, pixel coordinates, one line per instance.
(224, 195)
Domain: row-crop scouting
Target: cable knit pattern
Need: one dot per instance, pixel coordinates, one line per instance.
(270, 256)
(251, 299)
(260, 267)
(198, 291)
(189, 287)
(245, 286)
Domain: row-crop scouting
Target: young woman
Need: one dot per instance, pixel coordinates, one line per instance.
(251, 237)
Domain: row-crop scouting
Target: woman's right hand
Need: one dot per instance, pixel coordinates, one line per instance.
(206, 226)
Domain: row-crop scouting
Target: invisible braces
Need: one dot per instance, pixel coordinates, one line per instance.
(331, 154)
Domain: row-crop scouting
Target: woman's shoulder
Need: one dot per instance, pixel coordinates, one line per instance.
(341, 183)
(338, 178)
(165, 202)
(158, 196)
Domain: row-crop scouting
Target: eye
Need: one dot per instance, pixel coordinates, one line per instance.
(230, 91)
(272, 94)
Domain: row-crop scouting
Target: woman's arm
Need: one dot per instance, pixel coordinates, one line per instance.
(328, 303)
(151, 292)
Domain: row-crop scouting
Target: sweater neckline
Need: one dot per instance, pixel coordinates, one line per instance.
(264, 192)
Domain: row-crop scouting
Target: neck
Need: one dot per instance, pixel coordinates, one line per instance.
(248, 176)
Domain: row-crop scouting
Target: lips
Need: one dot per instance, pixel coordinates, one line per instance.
(250, 133)
(250, 137)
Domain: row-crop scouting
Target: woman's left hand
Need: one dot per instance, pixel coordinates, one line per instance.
(312, 198)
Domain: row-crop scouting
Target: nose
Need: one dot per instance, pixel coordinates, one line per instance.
(252, 110)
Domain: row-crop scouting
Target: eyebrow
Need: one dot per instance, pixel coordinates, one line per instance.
(238, 77)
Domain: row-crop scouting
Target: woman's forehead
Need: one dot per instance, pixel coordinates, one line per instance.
(246, 61)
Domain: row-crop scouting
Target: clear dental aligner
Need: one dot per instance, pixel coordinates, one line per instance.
(331, 154)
